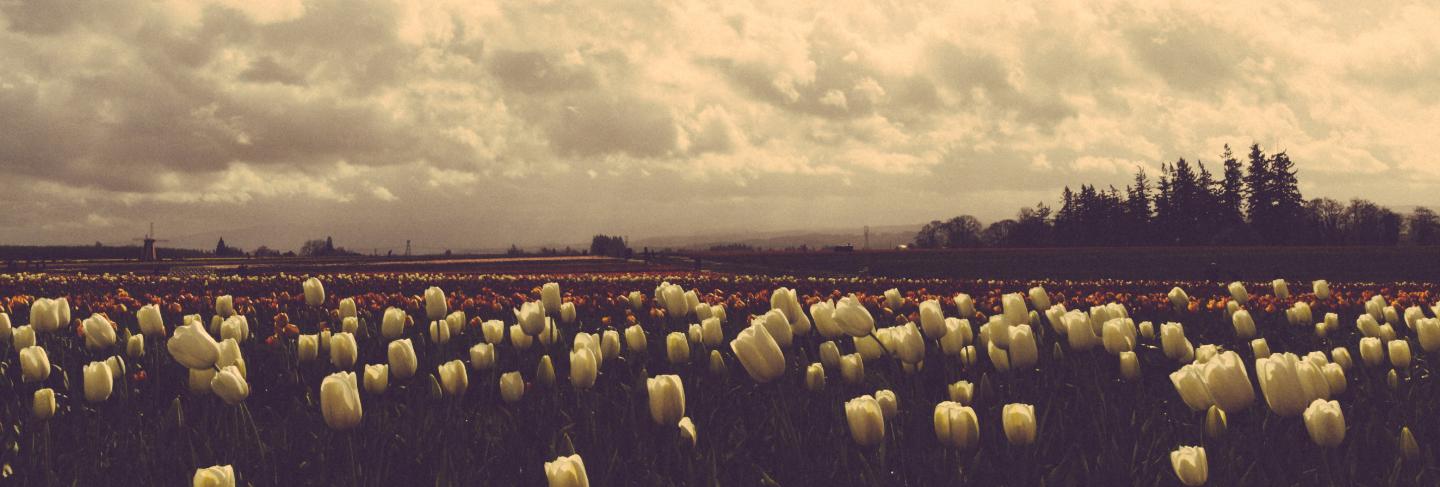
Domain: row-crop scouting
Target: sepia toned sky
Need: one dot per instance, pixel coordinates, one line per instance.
(465, 124)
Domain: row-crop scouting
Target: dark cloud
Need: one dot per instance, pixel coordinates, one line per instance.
(383, 117)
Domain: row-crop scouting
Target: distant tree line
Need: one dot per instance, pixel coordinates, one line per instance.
(609, 246)
(1252, 202)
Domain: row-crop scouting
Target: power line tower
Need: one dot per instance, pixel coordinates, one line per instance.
(407, 248)
(867, 237)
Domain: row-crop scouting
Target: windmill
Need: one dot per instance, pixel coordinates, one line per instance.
(147, 253)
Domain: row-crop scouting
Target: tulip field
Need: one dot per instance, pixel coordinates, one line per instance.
(701, 379)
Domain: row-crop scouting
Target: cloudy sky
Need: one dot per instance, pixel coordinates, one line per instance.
(471, 124)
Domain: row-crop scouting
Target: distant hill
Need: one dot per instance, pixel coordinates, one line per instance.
(120, 252)
(881, 237)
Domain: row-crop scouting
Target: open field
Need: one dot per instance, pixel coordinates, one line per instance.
(1376, 264)
(756, 422)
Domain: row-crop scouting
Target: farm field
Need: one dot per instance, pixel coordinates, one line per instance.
(684, 378)
(1374, 264)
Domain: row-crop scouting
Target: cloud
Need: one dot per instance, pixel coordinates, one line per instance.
(554, 120)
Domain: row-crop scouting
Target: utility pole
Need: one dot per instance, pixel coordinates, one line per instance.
(407, 248)
(867, 237)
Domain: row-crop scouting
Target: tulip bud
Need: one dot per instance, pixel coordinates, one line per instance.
(635, 338)
(1386, 333)
(340, 401)
(229, 355)
(1427, 331)
(1215, 423)
(1260, 348)
(99, 381)
(230, 385)
(1178, 299)
(392, 325)
(866, 420)
(677, 348)
(1289, 384)
(1019, 423)
(1190, 465)
(566, 472)
(343, 350)
(1147, 330)
(1079, 333)
(1024, 353)
(854, 319)
(519, 339)
(1244, 324)
(1190, 383)
(830, 354)
(1371, 351)
(815, 377)
(314, 292)
(193, 347)
(1118, 336)
(717, 363)
(512, 387)
(956, 425)
(453, 378)
(1238, 293)
(759, 353)
(135, 346)
(545, 372)
(216, 476)
(455, 323)
(1228, 383)
(667, 399)
(1325, 422)
(34, 364)
(889, 405)
(1231, 307)
(1335, 378)
(377, 378)
(99, 334)
(436, 305)
(482, 356)
(869, 346)
(909, 345)
(1399, 354)
(439, 332)
(824, 314)
(1408, 447)
(687, 431)
(199, 380)
(583, 368)
(969, 356)
(43, 406)
(224, 306)
(1129, 366)
(22, 336)
(307, 347)
(852, 368)
(150, 321)
(1282, 290)
(609, 344)
(1392, 379)
(1174, 343)
(1341, 355)
(999, 358)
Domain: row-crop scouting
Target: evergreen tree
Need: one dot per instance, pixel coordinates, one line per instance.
(1284, 189)
(1138, 208)
(1259, 200)
(1232, 189)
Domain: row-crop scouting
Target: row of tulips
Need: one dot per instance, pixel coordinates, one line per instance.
(767, 345)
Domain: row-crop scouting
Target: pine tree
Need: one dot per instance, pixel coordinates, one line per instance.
(1138, 209)
(1259, 197)
(1287, 201)
(1232, 189)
